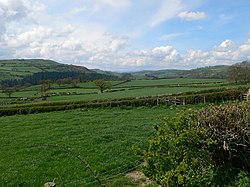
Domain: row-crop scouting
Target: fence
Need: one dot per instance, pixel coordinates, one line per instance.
(100, 178)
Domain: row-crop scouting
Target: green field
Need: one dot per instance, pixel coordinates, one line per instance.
(102, 137)
(178, 81)
(19, 68)
(120, 89)
(33, 146)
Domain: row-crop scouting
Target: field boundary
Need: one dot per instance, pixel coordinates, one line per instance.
(205, 96)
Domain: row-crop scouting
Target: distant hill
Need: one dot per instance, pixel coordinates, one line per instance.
(205, 72)
(20, 68)
(32, 71)
(106, 72)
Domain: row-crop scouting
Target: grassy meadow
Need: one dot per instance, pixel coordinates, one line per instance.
(37, 148)
(102, 137)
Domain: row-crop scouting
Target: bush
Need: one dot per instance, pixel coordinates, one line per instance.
(210, 147)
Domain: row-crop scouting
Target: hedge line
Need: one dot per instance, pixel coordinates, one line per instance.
(215, 97)
(69, 106)
(211, 97)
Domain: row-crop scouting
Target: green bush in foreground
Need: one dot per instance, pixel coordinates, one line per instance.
(210, 147)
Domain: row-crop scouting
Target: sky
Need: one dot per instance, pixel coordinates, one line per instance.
(127, 35)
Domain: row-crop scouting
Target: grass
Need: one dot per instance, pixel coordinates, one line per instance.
(125, 93)
(87, 94)
(103, 137)
(179, 81)
(134, 88)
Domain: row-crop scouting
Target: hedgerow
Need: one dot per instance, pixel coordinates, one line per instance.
(210, 147)
(193, 98)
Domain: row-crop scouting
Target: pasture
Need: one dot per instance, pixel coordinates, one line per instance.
(102, 137)
(120, 89)
(38, 148)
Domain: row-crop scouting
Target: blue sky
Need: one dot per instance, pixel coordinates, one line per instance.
(127, 35)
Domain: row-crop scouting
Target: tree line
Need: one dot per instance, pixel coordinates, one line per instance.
(36, 78)
(47, 78)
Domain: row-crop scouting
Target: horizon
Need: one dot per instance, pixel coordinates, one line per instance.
(127, 36)
(138, 71)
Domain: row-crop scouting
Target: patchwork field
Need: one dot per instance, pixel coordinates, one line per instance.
(120, 89)
(69, 146)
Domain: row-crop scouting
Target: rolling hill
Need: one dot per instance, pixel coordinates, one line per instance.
(205, 72)
(31, 72)
(20, 68)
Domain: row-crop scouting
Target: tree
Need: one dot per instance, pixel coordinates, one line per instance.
(102, 85)
(8, 90)
(75, 83)
(239, 72)
(127, 76)
(59, 82)
(45, 86)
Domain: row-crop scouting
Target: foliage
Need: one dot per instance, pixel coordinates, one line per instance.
(239, 72)
(102, 85)
(213, 96)
(36, 78)
(210, 147)
(229, 127)
(45, 86)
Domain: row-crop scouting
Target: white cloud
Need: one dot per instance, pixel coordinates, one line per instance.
(118, 44)
(18, 10)
(225, 46)
(163, 50)
(243, 52)
(10, 10)
(167, 10)
(166, 54)
(119, 4)
(36, 35)
(190, 16)
(170, 36)
(108, 51)
(196, 58)
(92, 34)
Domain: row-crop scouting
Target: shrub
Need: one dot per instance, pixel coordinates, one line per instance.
(210, 147)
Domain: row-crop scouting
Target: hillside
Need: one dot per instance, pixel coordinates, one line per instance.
(106, 72)
(23, 69)
(31, 72)
(205, 72)
(18, 69)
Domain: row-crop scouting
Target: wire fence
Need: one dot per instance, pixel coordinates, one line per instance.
(106, 172)
(104, 176)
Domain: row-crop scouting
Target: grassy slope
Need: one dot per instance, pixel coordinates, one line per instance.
(102, 137)
(15, 69)
(205, 72)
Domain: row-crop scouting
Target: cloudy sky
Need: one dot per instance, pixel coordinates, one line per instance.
(127, 35)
